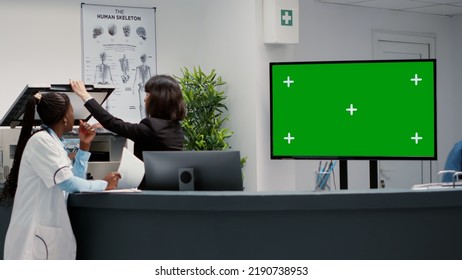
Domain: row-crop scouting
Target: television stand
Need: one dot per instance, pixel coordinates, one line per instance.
(373, 174)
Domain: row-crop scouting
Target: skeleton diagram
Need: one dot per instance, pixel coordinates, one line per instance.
(103, 74)
(127, 29)
(98, 30)
(142, 74)
(124, 67)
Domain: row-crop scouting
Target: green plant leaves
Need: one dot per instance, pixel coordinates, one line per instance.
(206, 110)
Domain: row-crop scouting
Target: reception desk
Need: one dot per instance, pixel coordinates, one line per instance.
(374, 224)
(380, 224)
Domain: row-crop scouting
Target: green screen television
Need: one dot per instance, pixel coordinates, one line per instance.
(371, 110)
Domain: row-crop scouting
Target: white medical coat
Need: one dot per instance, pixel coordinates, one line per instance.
(40, 227)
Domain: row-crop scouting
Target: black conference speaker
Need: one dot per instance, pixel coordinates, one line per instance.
(186, 179)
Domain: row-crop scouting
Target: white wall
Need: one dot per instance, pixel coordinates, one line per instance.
(42, 40)
(454, 128)
(41, 43)
(228, 45)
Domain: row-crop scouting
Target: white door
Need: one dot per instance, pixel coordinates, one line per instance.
(402, 50)
(388, 45)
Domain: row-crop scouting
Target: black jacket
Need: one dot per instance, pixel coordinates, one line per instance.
(150, 134)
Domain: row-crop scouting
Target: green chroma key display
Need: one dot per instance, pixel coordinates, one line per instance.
(354, 109)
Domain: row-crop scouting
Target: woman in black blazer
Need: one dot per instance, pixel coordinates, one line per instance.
(160, 130)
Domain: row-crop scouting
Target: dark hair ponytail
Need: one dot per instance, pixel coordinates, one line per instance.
(12, 179)
(51, 107)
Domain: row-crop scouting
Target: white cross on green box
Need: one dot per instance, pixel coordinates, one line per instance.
(287, 18)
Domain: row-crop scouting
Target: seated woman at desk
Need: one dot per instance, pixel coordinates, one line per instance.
(453, 162)
(40, 227)
(160, 130)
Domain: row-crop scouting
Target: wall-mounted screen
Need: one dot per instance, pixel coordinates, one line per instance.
(353, 109)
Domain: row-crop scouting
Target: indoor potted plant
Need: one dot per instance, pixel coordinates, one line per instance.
(207, 111)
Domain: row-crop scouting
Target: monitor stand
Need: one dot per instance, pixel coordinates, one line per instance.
(343, 173)
(373, 174)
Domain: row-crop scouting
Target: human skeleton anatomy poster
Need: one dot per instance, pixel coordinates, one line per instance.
(119, 48)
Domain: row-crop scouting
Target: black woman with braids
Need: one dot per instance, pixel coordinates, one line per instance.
(41, 176)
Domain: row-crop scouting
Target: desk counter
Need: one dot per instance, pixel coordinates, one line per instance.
(374, 224)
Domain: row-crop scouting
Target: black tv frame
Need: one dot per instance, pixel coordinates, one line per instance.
(343, 160)
(353, 157)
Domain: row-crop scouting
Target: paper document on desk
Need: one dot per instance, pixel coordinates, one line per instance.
(439, 185)
(131, 170)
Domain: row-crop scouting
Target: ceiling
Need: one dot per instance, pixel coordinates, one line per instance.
(434, 7)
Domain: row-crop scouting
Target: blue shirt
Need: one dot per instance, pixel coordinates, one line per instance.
(78, 182)
(453, 162)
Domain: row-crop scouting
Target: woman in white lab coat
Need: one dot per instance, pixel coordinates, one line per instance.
(40, 227)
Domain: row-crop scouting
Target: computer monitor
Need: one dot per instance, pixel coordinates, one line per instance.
(193, 170)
